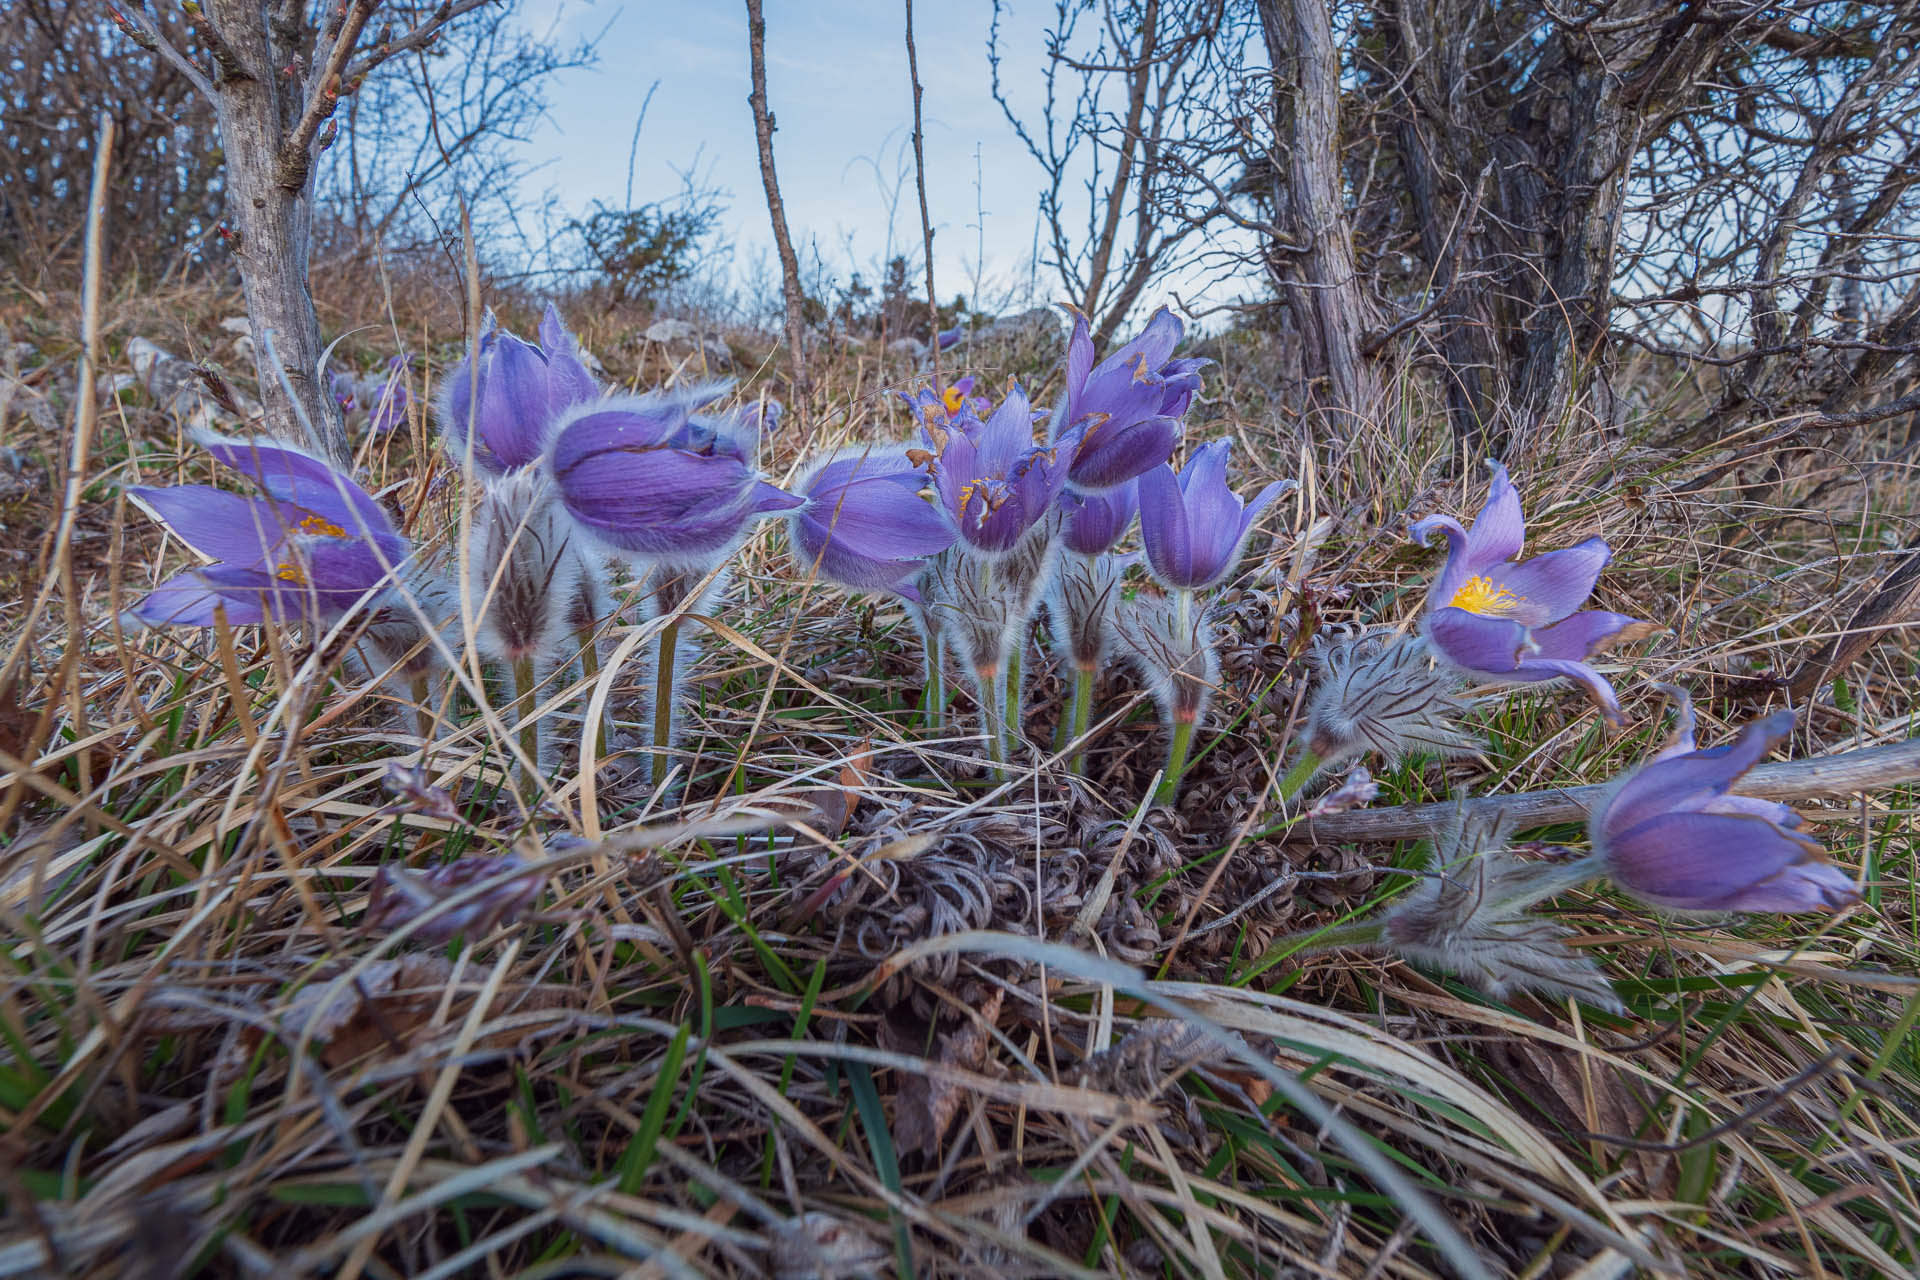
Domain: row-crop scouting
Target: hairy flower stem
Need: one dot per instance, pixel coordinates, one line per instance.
(1363, 933)
(933, 698)
(1297, 777)
(1010, 720)
(669, 643)
(992, 698)
(589, 639)
(527, 770)
(1177, 749)
(1082, 715)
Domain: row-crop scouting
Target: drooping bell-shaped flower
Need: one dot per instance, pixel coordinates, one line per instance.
(993, 482)
(1128, 407)
(1673, 835)
(509, 395)
(639, 474)
(1498, 618)
(315, 546)
(1192, 523)
(865, 525)
(1097, 521)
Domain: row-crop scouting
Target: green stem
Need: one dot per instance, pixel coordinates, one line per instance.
(590, 669)
(933, 698)
(1360, 934)
(992, 723)
(1011, 666)
(1302, 772)
(1176, 762)
(528, 770)
(1082, 716)
(663, 701)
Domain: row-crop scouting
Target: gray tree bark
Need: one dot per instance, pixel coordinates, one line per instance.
(270, 213)
(1317, 273)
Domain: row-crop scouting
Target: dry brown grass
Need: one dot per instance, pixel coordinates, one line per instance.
(701, 1058)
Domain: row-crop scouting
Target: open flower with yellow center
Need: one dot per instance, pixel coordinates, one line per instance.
(314, 545)
(1496, 617)
(936, 407)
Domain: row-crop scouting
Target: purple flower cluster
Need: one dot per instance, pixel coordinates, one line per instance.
(999, 507)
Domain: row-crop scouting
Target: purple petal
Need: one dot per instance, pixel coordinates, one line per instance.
(1551, 586)
(1689, 782)
(1163, 525)
(1716, 862)
(1499, 532)
(222, 525)
(1261, 501)
(189, 600)
(1079, 365)
(1096, 521)
(1579, 637)
(574, 382)
(1110, 456)
(1532, 670)
(304, 481)
(1476, 643)
(1453, 574)
(619, 483)
(1149, 350)
(516, 402)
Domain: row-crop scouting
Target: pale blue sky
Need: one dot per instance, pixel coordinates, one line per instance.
(837, 82)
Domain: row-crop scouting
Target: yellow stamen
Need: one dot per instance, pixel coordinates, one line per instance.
(287, 571)
(953, 399)
(321, 527)
(1480, 595)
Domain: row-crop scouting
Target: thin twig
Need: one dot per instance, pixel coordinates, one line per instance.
(926, 223)
(763, 127)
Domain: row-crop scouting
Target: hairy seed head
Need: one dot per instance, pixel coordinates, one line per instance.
(1388, 698)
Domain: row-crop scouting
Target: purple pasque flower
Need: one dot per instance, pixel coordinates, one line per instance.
(1672, 835)
(313, 547)
(1500, 618)
(512, 393)
(1192, 524)
(391, 397)
(993, 482)
(865, 525)
(936, 407)
(1128, 407)
(734, 433)
(343, 388)
(1096, 521)
(639, 474)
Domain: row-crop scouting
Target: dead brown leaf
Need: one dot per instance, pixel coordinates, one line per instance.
(925, 1107)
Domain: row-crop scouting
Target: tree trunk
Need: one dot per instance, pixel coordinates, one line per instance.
(270, 217)
(1317, 273)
